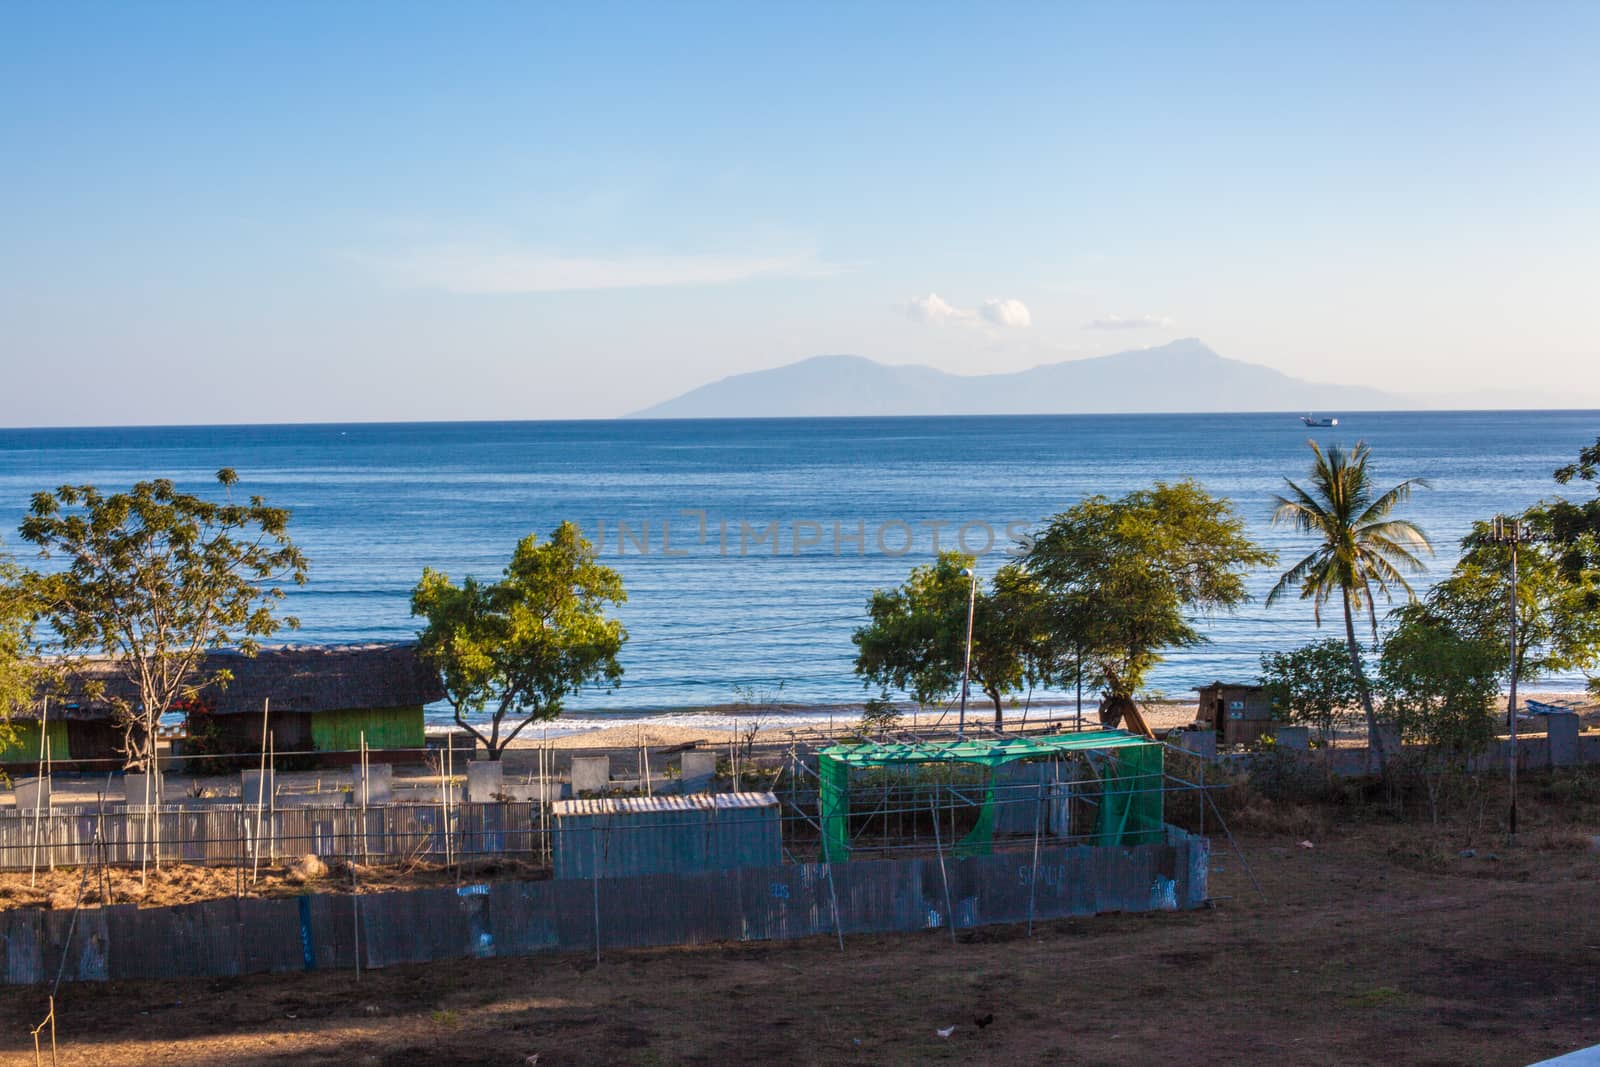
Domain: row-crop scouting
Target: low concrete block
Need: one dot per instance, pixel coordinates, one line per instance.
(523, 791)
(32, 793)
(251, 789)
(1297, 738)
(1391, 746)
(485, 780)
(590, 774)
(379, 782)
(1202, 743)
(1562, 732)
(134, 786)
(696, 769)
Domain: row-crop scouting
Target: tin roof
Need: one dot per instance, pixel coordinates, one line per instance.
(643, 805)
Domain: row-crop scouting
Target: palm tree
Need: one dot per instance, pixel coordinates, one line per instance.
(1363, 550)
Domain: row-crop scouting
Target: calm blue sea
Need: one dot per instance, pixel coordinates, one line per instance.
(779, 529)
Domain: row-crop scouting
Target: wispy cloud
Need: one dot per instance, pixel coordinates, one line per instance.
(1132, 322)
(935, 310)
(491, 269)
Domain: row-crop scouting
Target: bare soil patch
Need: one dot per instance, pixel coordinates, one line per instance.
(185, 884)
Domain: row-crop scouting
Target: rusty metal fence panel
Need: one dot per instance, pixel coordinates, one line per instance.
(226, 835)
(334, 931)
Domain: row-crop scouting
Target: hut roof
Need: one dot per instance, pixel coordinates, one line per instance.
(296, 678)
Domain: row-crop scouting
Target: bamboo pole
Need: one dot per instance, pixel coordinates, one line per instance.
(545, 769)
(944, 877)
(41, 784)
(1033, 879)
(261, 793)
(365, 858)
(272, 800)
(49, 804)
(355, 916)
(594, 861)
(444, 809)
(156, 790)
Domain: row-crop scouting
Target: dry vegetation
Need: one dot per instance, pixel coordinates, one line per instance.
(1380, 943)
(185, 884)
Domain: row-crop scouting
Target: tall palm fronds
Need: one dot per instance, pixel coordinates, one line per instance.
(1363, 552)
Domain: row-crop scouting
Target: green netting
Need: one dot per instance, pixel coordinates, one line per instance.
(1131, 797)
(1131, 806)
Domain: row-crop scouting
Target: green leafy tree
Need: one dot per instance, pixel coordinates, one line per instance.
(517, 648)
(1574, 529)
(1119, 580)
(19, 665)
(1364, 551)
(916, 639)
(1575, 524)
(1438, 686)
(1313, 685)
(153, 578)
(1558, 611)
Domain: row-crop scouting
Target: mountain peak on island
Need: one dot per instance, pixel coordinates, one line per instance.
(1184, 375)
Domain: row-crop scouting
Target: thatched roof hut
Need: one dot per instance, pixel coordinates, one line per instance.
(295, 678)
(321, 698)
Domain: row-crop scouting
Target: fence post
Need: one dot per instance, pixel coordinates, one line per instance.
(944, 878)
(1033, 879)
(594, 881)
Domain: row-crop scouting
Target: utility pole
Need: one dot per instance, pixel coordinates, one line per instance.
(966, 661)
(1511, 532)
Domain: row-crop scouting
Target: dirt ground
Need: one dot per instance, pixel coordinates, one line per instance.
(186, 884)
(1378, 944)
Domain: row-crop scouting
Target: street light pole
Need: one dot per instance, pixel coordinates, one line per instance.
(966, 661)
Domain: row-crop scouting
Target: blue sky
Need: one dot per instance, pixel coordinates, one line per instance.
(334, 211)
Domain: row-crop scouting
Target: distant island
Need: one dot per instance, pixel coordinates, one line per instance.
(1183, 376)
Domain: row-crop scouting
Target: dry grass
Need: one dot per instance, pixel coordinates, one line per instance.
(184, 884)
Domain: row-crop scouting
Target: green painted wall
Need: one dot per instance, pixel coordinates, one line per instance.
(336, 731)
(26, 748)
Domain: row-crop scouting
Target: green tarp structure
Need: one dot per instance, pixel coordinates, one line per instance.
(1130, 797)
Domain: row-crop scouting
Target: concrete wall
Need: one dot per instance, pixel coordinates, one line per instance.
(229, 937)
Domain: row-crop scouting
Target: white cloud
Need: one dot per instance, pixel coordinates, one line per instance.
(934, 309)
(1007, 312)
(467, 268)
(996, 311)
(1132, 322)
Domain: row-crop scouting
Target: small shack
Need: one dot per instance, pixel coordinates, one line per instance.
(1239, 714)
(624, 836)
(81, 738)
(320, 699)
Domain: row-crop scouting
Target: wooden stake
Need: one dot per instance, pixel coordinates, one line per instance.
(594, 860)
(261, 793)
(42, 784)
(355, 917)
(950, 913)
(1033, 880)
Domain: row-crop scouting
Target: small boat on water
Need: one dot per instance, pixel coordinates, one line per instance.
(1312, 420)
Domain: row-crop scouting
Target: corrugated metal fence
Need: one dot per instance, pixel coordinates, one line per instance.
(227, 834)
(317, 932)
